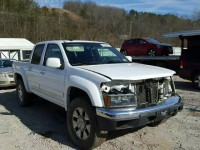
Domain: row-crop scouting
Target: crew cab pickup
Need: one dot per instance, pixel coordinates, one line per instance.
(100, 89)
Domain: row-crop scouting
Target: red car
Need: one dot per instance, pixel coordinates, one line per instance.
(145, 46)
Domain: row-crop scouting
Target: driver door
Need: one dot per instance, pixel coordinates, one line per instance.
(52, 85)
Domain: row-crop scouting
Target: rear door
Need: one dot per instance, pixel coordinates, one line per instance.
(140, 47)
(34, 70)
(53, 79)
(130, 47)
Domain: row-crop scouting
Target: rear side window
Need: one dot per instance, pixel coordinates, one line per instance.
(136, 42)
(37, 54)
(129, 42)
(133, 42)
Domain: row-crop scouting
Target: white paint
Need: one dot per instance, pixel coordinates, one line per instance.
(129, 71)
(54, 84)
(53, 62)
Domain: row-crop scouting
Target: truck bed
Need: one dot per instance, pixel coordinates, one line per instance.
(170, 62)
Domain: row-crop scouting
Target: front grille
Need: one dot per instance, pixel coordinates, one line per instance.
(2, 82)
(147, 92)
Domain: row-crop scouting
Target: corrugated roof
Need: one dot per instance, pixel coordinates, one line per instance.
(183, 33)
(15, 42)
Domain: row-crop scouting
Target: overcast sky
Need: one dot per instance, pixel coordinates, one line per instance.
(177, 7)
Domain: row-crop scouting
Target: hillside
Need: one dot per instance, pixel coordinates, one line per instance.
(71, 15)
(86, 21)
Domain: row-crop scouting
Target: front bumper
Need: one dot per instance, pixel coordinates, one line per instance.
(6, 81)
(109, 120)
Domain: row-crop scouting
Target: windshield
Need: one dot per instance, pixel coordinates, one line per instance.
(5, 63)
(93, 53)
(152, 41)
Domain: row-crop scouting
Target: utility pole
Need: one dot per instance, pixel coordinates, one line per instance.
(60, 21)
(131, 25)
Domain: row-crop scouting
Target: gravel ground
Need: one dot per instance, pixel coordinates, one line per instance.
(42, 126)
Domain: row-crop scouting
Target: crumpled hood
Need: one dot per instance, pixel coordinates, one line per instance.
(6, 70)
(129, 71)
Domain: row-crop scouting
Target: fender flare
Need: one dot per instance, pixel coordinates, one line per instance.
(88, 87)
(24, 78)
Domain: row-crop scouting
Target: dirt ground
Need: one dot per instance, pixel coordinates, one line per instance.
(42, 126)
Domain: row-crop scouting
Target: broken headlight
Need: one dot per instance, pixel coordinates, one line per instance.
(119, 94)
(166, 88)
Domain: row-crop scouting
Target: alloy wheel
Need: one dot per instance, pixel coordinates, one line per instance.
(81, 123)
(125, 53)
(151, 53)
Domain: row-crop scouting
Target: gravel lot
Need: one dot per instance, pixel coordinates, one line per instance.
(42, 126)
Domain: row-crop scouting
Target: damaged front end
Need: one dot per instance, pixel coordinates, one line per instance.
(137, 94)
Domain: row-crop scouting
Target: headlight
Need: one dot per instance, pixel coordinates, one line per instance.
(120, 100)
(118, 94)
(166, 88)
(3, 74)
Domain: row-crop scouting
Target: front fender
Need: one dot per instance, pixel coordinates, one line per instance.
(21, 72)
(89, 87)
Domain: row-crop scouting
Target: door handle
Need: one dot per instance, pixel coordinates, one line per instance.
(43, 72)
(30, 69)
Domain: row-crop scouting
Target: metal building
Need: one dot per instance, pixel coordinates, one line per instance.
(15, 48)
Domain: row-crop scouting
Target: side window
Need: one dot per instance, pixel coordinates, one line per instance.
(141, 42)
(129, 42)
(53, 51)
(37, 54)
(136, 42)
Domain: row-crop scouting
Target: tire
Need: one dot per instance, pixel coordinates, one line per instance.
(195, 81)
(151, 52)
(125, 53)
(23, 95)
(82, 124)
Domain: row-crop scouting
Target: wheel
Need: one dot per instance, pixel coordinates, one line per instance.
(124, 52)
(151, 52)
(23, 95)
(82, 126)
(196, 81)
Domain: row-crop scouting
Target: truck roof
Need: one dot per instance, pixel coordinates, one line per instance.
(69, 41)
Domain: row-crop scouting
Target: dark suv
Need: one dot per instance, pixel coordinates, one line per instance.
(190, 66)
(145, 46)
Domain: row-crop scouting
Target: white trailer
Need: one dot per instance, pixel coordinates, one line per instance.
(15, 48)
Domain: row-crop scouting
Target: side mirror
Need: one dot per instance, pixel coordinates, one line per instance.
(129, 58)
(53, 62)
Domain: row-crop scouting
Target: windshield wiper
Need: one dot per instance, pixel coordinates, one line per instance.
(112, 62)
(85, 63)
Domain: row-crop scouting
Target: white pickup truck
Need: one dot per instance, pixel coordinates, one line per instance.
(100, 89)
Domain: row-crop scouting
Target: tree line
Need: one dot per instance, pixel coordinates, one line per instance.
(87, 21)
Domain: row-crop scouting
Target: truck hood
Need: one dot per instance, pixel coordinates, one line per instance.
(129, 71)
(6, 70)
